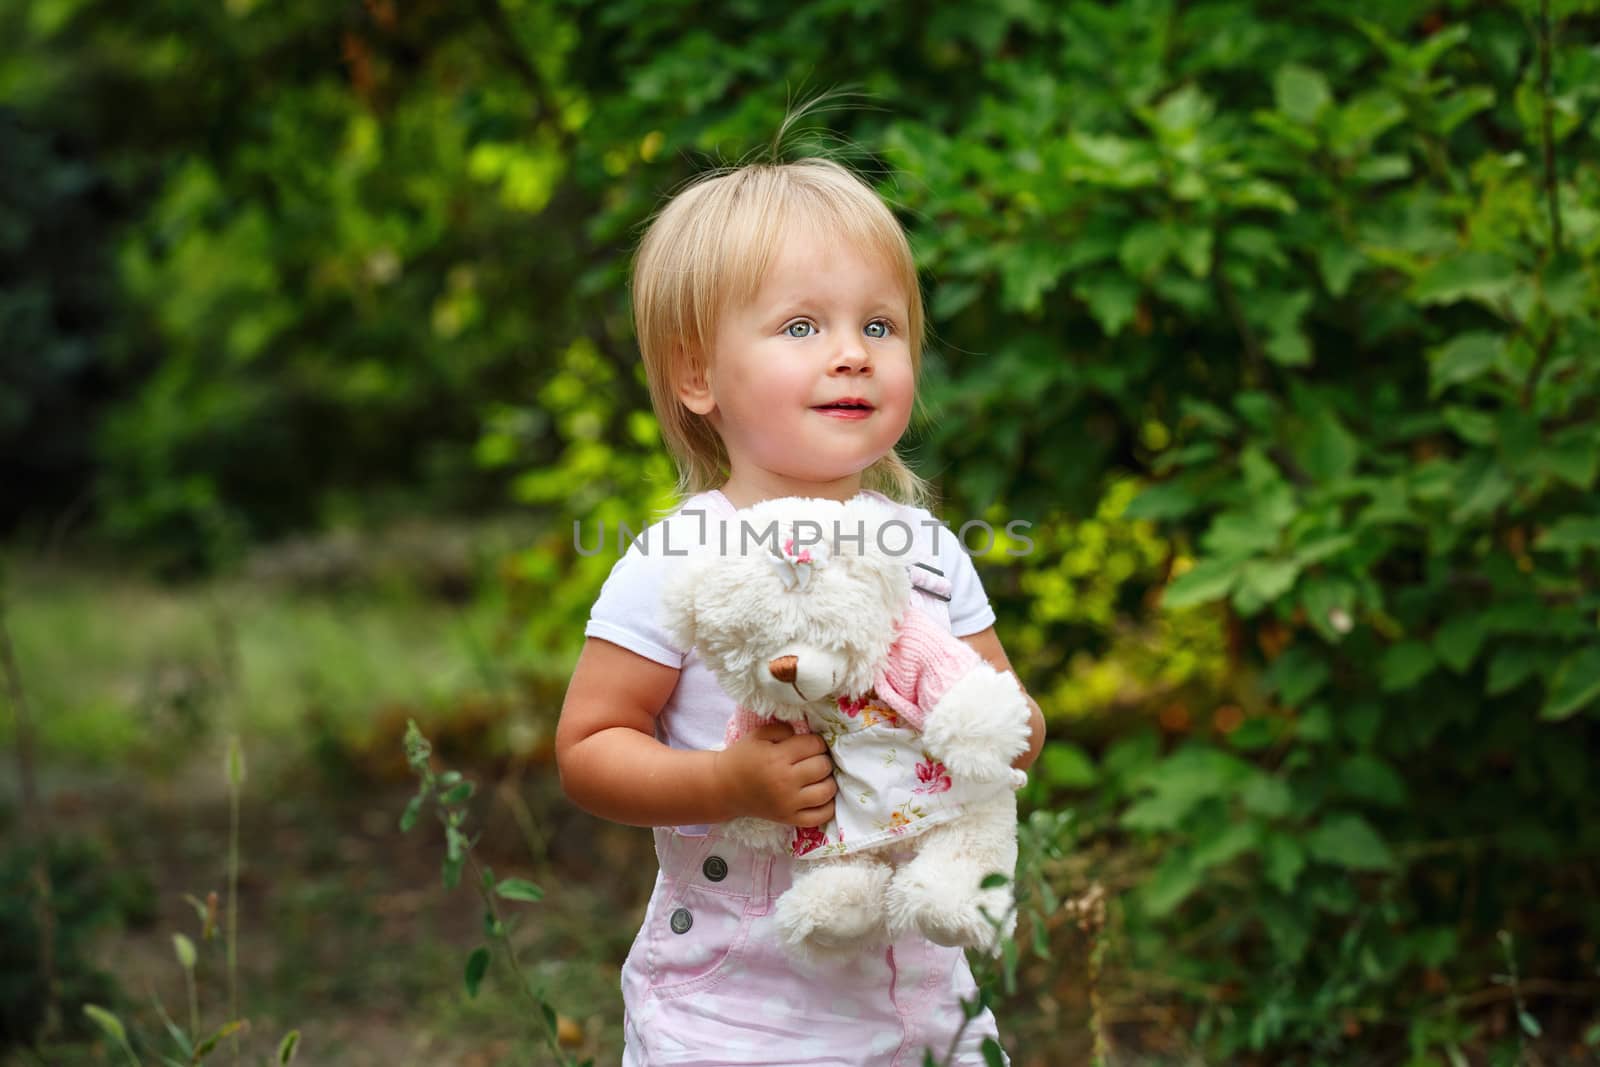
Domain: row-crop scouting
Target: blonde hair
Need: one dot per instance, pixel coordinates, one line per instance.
(711, 244)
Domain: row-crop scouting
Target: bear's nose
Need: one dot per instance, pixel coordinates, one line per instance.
(783, 668)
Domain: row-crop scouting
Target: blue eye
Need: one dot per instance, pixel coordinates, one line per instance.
(806, 328)
(879, 328)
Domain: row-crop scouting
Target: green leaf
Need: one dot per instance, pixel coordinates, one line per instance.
(1262, 581)
(451, 870)
(1349, 841)
(409, 817)
(1360, 721)
(1029, 271)
(1511, 666)
(1287, 927)
(1572, 457)
(1529, 1024)
(1241, 534)
(1339, 263)
(1482, 487)
(1297, 675)
(1280, 314)
(950, 298)
(1172, 883)
(1369, 778)
(459, 795)
(1171, 499)
(993, 1055)
(994, 881)
(1375, 170)
(1457, 642)
(184, 948)
(1112, 299)
(1206, 581)
(1284, 859)
(107, 1022)
(1570, 533)
(1066, 766)
(519, 889)
(1471, 275)
(1461, 106)
(477, 967)
(1464, 358)
(1329, 602)
(288, 1047)
(1327, 450)
(1267, 796)
(1404, 665)
(1361, 121)
(1160, 811)
(1575, 686)
(1145, 248)
(1301, 93)
(1220, 843)
(209, 1045)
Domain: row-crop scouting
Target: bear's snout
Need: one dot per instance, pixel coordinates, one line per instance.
(800, 674)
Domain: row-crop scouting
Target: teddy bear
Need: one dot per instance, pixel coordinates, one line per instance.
(806, 615)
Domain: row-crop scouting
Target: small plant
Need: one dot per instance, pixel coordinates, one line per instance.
(448, 792)
(191, 1047)
(1043, 837)
(1527, 1026)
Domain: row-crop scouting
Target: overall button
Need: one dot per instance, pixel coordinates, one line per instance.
(681, 921)
(715, 868)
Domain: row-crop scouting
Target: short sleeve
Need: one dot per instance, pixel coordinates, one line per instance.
(970, 612)
(628, 609)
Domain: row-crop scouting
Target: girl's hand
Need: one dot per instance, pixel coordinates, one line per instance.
(779, 775)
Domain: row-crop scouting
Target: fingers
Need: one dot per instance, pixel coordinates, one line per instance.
(773, 731)
(817, 816)
(817, 794)
(803, 746)
(814, 769)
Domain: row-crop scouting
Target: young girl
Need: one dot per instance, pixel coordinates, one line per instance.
(780, 323)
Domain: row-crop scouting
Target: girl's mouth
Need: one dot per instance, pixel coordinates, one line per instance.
(849, 408)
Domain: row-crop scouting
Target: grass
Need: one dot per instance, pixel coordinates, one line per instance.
(344, 930)
(118, 666)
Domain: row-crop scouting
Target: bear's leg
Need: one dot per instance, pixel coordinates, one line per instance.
(939, 893)
(835, 906)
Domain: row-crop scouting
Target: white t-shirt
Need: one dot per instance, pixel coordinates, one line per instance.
(628, 610)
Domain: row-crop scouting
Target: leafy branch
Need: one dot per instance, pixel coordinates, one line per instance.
(448, 792)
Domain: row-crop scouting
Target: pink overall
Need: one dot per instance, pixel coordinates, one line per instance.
(708, 984)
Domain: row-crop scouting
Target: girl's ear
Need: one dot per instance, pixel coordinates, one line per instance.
(694, 389)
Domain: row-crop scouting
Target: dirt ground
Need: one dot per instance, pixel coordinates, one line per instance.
(345, 931)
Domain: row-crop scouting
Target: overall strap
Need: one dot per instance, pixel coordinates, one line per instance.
(928, 580)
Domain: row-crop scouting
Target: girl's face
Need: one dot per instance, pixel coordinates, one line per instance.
(810, 382)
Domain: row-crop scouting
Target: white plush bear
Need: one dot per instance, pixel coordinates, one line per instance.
(805, 614)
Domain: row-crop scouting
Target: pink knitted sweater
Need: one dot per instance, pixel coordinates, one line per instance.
(923, 663)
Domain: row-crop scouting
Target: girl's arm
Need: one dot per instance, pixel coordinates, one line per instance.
(986, 643)
(611, 764)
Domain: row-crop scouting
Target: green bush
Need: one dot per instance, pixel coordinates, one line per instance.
(1320, 279)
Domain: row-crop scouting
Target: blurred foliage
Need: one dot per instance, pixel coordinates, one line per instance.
(1278, 323)
(88, 897)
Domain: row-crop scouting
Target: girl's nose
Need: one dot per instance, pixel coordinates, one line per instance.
(853, 358)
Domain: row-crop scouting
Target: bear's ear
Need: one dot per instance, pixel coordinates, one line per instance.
(678, 602)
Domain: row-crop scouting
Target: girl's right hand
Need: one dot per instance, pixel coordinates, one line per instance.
(776, 774)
